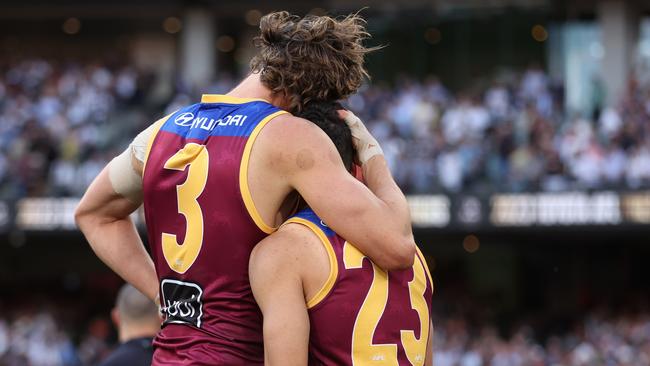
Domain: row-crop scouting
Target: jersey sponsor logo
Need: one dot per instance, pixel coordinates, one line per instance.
(181, 302)
(184, 119)
(209, 124)
(188, 119)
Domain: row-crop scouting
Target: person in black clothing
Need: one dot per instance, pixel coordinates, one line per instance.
(137, 322)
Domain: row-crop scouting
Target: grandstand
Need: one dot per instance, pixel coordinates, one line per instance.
(520, 130)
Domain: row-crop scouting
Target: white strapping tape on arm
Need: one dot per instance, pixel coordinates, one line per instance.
(124, 178)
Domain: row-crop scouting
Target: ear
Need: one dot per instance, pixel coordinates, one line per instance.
(115, 317)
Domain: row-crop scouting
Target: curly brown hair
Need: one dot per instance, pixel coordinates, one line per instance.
(314, 58)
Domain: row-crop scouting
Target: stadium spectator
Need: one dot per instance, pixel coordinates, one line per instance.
(137, 321)
(464, 337)
(94, 346)
(597, 340)
(35, 339)
(60, 123)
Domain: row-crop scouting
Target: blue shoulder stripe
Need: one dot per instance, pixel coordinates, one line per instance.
(202, 120)
(309, 215)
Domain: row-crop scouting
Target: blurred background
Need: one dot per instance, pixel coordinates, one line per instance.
(520, 130)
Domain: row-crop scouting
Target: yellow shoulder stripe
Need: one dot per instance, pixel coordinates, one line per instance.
(424, 263)
(218, 98)
(243, 176)
(334, 268)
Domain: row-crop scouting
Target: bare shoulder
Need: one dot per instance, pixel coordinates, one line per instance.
(293, 252)
(290, 126)
(289, 247)
(293, 143)
(293, 133)
(289, 243)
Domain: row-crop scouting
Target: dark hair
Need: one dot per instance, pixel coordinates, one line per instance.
(314, 58)
(325, 115)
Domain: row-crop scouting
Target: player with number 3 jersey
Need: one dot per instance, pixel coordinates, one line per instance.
(196, 169)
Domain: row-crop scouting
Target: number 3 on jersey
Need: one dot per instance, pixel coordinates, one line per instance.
(181, 256)
(364, 352)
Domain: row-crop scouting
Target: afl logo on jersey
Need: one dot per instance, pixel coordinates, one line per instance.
(184, 119)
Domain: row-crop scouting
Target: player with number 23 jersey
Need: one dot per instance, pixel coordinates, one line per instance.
(364, 315)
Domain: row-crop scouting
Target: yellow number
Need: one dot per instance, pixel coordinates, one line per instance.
(416, 348)
(364, 352)
(180, 257)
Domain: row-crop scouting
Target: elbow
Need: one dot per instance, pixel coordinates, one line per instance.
(85, 221)
(78, 217)
(401, 255)
(81, 217)
(406, 255)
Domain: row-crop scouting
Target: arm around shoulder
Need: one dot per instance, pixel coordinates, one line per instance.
(375, 217)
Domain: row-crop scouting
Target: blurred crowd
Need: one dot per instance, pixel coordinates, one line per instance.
(597, 340)
(39, 339)
(60, 123)
(512, 134)
(56, 131)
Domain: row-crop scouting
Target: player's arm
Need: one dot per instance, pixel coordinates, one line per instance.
(375, 217)
(103, 215)
(274, 272)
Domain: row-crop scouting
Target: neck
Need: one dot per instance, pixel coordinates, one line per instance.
(252, 87)
(127, 333)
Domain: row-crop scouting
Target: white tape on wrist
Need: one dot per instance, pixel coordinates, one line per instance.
(365, 144)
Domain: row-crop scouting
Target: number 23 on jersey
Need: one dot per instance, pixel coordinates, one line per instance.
(364, 351)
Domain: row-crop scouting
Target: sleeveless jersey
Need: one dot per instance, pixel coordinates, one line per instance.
(202, 227)
(364, 315)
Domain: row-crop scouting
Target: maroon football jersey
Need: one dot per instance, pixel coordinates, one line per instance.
(202, 226)
(364, 315)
